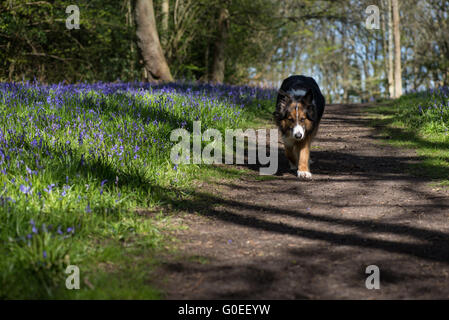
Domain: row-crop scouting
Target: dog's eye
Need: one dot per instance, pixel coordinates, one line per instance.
(291, 119)
(303, 119)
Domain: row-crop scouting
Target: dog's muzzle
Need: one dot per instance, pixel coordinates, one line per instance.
(298, 132)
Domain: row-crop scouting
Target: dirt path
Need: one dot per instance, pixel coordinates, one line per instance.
(291, 239)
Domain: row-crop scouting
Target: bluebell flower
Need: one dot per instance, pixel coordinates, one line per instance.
(49, 188)
(25, 189)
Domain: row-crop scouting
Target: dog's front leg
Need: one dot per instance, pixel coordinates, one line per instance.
(304, 157)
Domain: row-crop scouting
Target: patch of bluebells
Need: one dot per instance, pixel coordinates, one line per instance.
(125, 126)
(36, 231)
(434, 108)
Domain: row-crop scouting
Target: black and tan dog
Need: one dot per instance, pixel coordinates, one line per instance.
(299, 108)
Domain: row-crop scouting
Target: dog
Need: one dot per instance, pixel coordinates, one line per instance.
(299, 108)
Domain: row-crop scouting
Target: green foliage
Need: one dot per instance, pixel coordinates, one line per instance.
(189, 41)
(266, 41)
(35, 43)
(426, 111)
(419, 121)
(44, 256)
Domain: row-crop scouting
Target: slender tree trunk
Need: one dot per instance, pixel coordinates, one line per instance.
(165, 14)
(360, 91)
(415, 77)
(397, 51)
(11, 71)
(385, 43)
(218, 65)
(390, 51)
(148, 42)
(345, 82)
(284, 61)
(345, 66)
(366, 90)
(130, 23)
(205, 76)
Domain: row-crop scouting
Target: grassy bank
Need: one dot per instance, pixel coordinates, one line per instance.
(76, 161)
(419, 121)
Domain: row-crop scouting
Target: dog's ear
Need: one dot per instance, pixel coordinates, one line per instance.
(311, 112)
(283, 102)
(280, 114)
(285, 94)
(307, 101)
(308, 98)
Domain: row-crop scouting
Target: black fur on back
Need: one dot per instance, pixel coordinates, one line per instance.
(300, 82)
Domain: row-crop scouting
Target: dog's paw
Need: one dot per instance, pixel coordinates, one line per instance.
(306, 175)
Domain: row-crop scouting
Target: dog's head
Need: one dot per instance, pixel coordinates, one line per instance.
(295, 114)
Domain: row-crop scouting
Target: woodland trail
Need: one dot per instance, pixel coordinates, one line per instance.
(292, 239)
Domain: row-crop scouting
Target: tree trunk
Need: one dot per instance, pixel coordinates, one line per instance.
(165, 14)
(129, 23)
(345, 83)
(148, 42)
(218, 66)
(206, 74)
(384, 43)
(366, 89)
(397, 51)
(390, 51)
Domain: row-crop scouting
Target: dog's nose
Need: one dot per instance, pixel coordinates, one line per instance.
(298, 135)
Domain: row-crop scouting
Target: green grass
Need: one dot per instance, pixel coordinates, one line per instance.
(92, 201)
(418, 121)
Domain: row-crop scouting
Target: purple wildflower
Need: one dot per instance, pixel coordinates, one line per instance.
(25, 189)
(49, 188)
